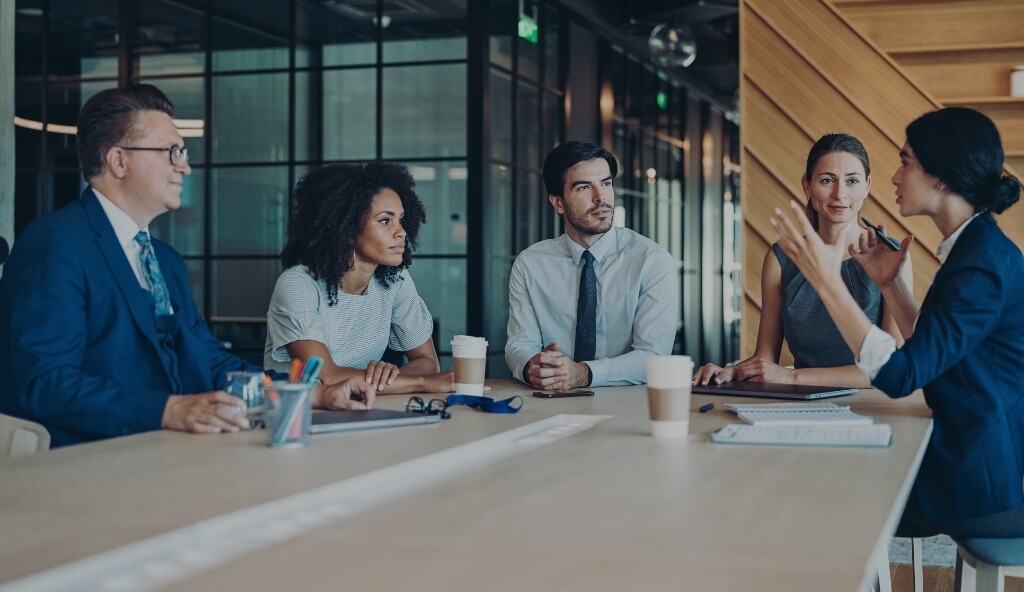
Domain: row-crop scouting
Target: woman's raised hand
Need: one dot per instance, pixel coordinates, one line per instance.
(819, 262)
(882, 264)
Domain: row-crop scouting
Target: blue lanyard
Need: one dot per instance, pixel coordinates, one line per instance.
(487, 404)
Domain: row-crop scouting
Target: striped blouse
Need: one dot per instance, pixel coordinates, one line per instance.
(356, 330)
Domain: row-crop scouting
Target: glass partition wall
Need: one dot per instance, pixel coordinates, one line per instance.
(469, 95)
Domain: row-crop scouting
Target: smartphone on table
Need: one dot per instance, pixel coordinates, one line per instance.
(562, 394)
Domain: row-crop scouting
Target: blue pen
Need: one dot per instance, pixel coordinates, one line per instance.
(888, 240)
(312, 369)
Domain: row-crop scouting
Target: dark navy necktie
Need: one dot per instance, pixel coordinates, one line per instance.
(586, 312)
(151, 273)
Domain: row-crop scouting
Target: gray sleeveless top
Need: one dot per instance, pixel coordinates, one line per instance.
(810, 332)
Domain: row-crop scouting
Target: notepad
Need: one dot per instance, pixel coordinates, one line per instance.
(870, 436)
(797, 414)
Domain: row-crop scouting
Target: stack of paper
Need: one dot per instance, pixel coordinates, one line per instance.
(799, 414)
(873, 435)
(801, 424)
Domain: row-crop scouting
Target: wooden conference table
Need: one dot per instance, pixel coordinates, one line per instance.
(570, 494)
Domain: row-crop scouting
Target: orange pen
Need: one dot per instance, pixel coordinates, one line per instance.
(295, 371)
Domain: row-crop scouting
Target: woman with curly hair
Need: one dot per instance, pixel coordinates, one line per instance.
(346, 294)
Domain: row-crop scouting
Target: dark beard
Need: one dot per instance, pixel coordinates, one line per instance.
(585, 224)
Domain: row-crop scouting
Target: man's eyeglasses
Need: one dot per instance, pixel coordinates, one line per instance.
(178, 154)
(433, 407)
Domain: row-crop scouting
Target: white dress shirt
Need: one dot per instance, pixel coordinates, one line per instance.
(125, 230)
(637, 304)
(878, 345)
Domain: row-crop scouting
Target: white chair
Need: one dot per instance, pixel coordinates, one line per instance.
(20, 437)
(982, 564)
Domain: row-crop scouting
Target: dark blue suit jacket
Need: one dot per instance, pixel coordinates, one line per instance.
(967, 352)
(79, 347)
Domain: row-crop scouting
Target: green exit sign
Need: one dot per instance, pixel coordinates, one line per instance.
(528, 29)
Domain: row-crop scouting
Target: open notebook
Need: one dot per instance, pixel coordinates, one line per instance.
(342, 421)
(769, 390)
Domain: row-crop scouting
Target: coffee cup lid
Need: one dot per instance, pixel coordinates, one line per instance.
(468, 340)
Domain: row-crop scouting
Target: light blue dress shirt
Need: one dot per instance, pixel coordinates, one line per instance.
(637, 304)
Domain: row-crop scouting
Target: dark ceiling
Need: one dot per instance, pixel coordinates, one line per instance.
(176, 25)
(715, 24)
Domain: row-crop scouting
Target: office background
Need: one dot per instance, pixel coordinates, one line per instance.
(469, 95)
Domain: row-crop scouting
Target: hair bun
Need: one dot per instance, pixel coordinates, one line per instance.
(1004, 193)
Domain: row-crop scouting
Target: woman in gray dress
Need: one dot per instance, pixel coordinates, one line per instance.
(836, 182)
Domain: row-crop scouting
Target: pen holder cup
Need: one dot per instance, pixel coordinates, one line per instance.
(288, 414)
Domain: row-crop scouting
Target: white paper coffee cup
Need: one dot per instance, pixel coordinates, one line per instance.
(668, 395)
(469, 362)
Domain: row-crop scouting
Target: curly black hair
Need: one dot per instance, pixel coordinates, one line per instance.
(331, 208)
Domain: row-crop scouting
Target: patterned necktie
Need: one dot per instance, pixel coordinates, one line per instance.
(155, 279)
(586, 312)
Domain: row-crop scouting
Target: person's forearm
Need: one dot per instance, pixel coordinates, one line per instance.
(331, 374)
(628, 368)
(77, 402)
(844, 376)
(848, 316)
(420, 366)
(403, 384)
(516, 358)
(899, 300)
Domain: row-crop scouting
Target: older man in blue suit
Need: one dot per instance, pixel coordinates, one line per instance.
(99, 335)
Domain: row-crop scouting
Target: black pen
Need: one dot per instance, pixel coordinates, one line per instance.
(706, 408)
(888, 240)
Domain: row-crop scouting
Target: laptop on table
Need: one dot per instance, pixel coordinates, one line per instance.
(343, 421)
(768, 390)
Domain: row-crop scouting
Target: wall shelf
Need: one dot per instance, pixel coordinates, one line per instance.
(967, 101)
(952, 48)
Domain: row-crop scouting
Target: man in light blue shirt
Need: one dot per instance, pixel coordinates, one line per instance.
(589, 307)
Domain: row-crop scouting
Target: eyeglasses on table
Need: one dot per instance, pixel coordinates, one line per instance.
(432, 407)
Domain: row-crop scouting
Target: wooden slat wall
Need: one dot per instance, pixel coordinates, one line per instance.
(806, 70)
(961, 52)
(897, 26)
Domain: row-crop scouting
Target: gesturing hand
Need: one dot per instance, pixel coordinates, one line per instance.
(819, 262)
(882, 264)
(441, 382)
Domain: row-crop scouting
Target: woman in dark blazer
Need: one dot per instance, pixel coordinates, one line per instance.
(965, 346)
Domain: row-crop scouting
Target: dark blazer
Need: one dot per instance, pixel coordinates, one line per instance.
(967, 352)
(80, 351)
